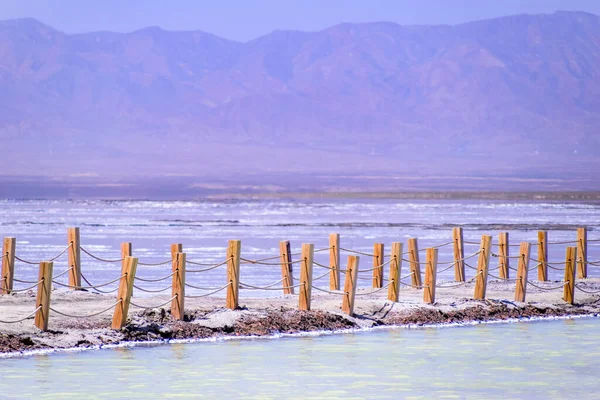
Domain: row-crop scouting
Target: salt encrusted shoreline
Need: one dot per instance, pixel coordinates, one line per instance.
(266, 317)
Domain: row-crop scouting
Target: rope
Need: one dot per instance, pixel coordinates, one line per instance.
(357, 252)
(247, 261)
(158, 306)
(566, 242)
(155, 265)
(324, 249)
(376, 290)
(98, 290)
(63, 273)
(152, 291)
(329, 268)
(208, 294)
(137, 278)
(415, 262)
(502, 256)
(470, 266)
(205, 269)
(263, 287)
(441, 245)
(92, 286)
(101, 259)
(25, 261)
(587, 291)
(460, 259)
(62, 252)
(377, 267)
(20, 281)
(544, 288)
(595, 263)
(22, 319)
(320, 277)
(460, 283)
(85, 316)
(328, 291)
(27, 288)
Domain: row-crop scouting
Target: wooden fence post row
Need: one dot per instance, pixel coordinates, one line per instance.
(286, 267)
(350, 285)
(124, 293)
(459, 254)
(395, 270)
(522, 271)
(8, 265)
(306, 272)
(483, 264)
(74, 258)
(233, 273)
(44, 290)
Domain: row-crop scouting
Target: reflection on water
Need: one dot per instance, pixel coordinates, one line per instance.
(547, 359)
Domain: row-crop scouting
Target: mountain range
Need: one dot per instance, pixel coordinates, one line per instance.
(511, 98)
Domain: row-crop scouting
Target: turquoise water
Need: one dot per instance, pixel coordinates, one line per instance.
(545, 359)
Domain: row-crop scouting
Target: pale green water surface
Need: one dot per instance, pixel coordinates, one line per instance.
(545, 359)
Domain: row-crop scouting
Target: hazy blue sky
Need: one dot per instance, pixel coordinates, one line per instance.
(244, 20)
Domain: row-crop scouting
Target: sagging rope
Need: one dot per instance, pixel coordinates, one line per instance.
(357, 252)
(377, 267)
(329, 268)
(100, 259)
(151, 290)
(22, 319)
(459, 283)
(137, 278)
(376, 290)
(27, 288)
(98, 290)
(149, 307)
(460, 259)
(321, 276)
(587, 291)
(155, 264)
(208, 294)
(57, 276)
(88, 315)
(546, 288)
(50, 260)
(206, 269)
(248, 261)
(266, 287)
(328, 291)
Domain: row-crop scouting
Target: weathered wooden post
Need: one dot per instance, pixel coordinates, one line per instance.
(503, 253)
(377, 265)
(395, 269)
(124, 293)
(286, 267)
(74, 258)
(483, 265)
(233, 273)
(459, 254)
(350, 285)
(522, 271)
(569, 289)
(8, 264)
(415, 266)
(175, 248)
(542, 255)
(582, 253)
(431, 260)
(126, 251)
(306, 269)
(42, 315)
(334, 261)
(178, 287)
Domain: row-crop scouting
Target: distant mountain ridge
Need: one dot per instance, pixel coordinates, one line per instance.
(512, 96)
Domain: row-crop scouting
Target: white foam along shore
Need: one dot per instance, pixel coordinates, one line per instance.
(224, 338)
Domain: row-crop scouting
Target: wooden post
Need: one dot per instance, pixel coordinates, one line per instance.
(43, 295)
(415, 266)
(286, 267)
(175, 248)
(178, 291)
(126, 251)
(582, 253)
(542, 255)
(74, 258)
(8, 264)
(124, 294)
(306, 268)
(459, 254)
(233, 273)
(503, 253)
(483, 265)
(350, 285)
(431, 260)
(334, 261)
(522, 271)
(395, 269)
(378, 268)
(569, 289)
